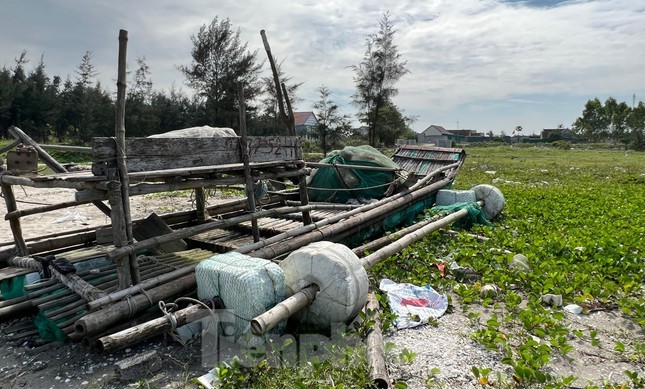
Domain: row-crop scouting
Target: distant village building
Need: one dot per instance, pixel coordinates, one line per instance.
(436, 135)
(441, 137)
(306, 123)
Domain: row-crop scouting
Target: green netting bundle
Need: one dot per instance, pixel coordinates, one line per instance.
(47, 328)
(338, 185)
(12, 287)
(475, 214)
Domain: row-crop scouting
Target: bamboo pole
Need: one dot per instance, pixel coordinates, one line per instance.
(244, 150)
(121, 152)
(355, 211)
(51, 244)
(26, 181)
(50, 161)
(108, 283)
(405, 241)
(143, 331)
(16, 229)
(378, 243)
(16, 310)
(75, 303)
(278, 90)
(42, 154)
(265, 322)
(375, 348)
(10, 146)
(22, 306)
(149, 283)
(290, 116)
(72, 281)
(401, 199)
(99, 320)
(190, 231)
(119, 234)
(47, 208)
(76, 149)
(360, 219)
(87, 235)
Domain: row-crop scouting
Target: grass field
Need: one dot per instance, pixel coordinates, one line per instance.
(579, 218)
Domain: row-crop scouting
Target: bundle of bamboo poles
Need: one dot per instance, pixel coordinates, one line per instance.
(163, 276)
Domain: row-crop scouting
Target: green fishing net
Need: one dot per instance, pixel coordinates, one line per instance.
(475, 214)
(331, 183)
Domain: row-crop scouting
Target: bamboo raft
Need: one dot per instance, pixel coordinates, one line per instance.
(274, 231)
(131, 265)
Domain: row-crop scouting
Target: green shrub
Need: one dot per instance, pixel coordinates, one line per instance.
(561, 145)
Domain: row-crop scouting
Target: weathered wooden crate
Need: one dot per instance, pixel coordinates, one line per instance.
(153, 154)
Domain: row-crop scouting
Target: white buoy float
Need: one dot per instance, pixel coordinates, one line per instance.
(341, 279)
(493, 200)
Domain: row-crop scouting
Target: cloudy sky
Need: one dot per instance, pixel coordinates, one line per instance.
(488, 65)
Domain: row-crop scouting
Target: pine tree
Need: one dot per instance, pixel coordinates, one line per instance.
(220, 61)
(382, 66)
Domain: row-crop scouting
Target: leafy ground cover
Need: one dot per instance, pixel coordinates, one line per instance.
(579, 218)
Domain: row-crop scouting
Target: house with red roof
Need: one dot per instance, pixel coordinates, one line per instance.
(306, 123)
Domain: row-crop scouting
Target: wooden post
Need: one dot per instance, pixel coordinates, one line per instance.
(16, 229)
(120, 237)
(200, 203)
(304, 199)
(143, 331)
(244, 146)
(121, 151)
(278, 90)
(291, 119)
(375, 346)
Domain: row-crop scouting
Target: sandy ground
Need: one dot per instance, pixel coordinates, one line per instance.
(82, 216)
(27, 363)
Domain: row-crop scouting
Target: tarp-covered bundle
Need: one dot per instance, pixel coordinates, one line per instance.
(198, 132)
(339, 184)
(246, 286)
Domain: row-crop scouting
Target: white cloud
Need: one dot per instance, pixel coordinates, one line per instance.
(461, 54)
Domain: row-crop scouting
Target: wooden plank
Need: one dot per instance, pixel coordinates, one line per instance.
(237, 168)
(146, 154)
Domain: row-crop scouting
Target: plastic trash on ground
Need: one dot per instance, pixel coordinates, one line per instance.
(413, 305)
(71, 216)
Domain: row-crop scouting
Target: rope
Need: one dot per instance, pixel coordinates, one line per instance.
(168, 311)
(131, 306)
(145, 293)
(354, 189)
